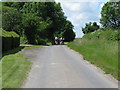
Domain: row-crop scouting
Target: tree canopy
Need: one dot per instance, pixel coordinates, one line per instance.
(110, 15)
(90, 27)
(37, 21)
(11, 19)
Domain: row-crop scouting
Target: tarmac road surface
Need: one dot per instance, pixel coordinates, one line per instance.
(60, 67)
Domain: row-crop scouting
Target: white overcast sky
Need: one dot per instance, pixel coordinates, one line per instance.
(80, 12)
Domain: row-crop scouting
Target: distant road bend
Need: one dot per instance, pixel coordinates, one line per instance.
(60, 67)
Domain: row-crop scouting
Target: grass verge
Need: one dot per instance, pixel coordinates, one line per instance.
(31, 47)
(102, 53)
(48, 43)
(15, 67)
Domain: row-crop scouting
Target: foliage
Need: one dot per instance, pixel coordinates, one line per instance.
(90, 27)
(115, 36)
(110, 15)
(40, 21)
(54, 11)
(106, 33)
(23, 40)
(11, 19)
(30, 24)
(68, 34)
(16, 5)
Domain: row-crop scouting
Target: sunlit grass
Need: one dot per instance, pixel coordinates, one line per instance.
(103, 53)
(31, 47)
(15, 68)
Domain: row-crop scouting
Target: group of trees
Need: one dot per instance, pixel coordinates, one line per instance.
(90, 27)
(110, 18)
(36, 22)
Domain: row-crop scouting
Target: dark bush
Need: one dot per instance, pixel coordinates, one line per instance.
(10, 40)
(114, 36)
(41, 41)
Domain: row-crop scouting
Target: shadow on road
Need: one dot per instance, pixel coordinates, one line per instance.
(61, 44)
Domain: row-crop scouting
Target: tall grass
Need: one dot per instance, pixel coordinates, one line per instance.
(101, 52)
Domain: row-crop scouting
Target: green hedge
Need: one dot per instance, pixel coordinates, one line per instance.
(107, 34)
(10, 40)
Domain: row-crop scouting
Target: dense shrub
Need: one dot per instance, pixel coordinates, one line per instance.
(23, 40)
(107, 34)
(114, 36)
(41, 41)
(10, 40)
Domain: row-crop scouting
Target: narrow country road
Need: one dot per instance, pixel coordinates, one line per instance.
(61, 67)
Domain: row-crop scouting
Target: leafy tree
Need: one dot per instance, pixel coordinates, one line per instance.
(56, 15)
(69, 34)
(7, 4)
(110, 15)
(34, 27)
(95, 26)
(30, 24)
(90, 27)
(38, 21)
(17, 5)
(44, 24)
(11, 19)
